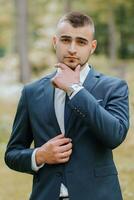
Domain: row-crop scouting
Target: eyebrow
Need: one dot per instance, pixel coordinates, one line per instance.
(65, 36)
(78, 38)
(83, 39)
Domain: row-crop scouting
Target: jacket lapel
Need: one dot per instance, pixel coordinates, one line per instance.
(91, 80)
(49, 108)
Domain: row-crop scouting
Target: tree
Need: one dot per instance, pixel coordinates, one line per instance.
(104, 12)
(22, 39)
(67, 5)
(112, 47)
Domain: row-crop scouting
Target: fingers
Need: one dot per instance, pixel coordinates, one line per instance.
(65, 148)
(64, 160)
(59, 136)
(53, 80)
(62, 141)
(56, 150)
(61, 66)
(66, 154)
(77, 69)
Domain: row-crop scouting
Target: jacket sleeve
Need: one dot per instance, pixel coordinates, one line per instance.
(109, 124)
(18, 153)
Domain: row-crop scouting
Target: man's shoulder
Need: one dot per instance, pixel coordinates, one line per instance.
(109, 83)
(37, 87)
(110, 80)
(38, 83)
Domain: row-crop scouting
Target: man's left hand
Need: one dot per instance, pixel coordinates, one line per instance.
(66, 76)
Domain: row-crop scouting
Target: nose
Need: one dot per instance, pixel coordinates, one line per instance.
(72, 48)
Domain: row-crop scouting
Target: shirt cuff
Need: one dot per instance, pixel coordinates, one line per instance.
(75, 92)
(33, 162)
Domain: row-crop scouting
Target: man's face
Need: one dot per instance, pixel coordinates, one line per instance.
(73, 45)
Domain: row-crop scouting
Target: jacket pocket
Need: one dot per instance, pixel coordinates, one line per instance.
(106, 170)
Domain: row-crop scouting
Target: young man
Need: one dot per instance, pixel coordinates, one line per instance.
(75, 117)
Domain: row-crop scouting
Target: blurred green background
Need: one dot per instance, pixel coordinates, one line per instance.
(26, 54)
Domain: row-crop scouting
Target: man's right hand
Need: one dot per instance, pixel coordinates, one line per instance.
(56, 150)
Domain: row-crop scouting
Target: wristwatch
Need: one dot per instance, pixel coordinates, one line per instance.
(72, 88)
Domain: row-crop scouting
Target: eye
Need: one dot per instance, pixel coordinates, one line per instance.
(81, 42)
(65, 40)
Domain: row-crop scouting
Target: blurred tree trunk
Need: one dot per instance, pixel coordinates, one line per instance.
(112, 36)
(22, 39)
(67, 5)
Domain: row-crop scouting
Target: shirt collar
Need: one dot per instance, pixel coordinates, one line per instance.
(84, 72)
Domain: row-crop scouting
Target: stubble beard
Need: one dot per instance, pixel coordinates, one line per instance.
(72, 64)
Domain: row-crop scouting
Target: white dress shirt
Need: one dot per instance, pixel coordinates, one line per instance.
(59, 104)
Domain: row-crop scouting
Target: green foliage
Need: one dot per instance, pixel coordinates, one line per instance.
(6, 26)
(125, 24)
(43, 15)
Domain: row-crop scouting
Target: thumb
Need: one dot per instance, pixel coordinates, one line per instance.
(77, 69)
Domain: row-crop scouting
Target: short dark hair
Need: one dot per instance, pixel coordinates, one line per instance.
(78, 19)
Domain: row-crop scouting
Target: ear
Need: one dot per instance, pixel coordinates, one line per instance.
(54, 41)
(94, 45)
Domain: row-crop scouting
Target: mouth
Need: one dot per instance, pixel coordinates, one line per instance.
(71, 58)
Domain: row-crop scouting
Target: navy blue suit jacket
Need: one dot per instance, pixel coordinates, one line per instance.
(98, 123)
